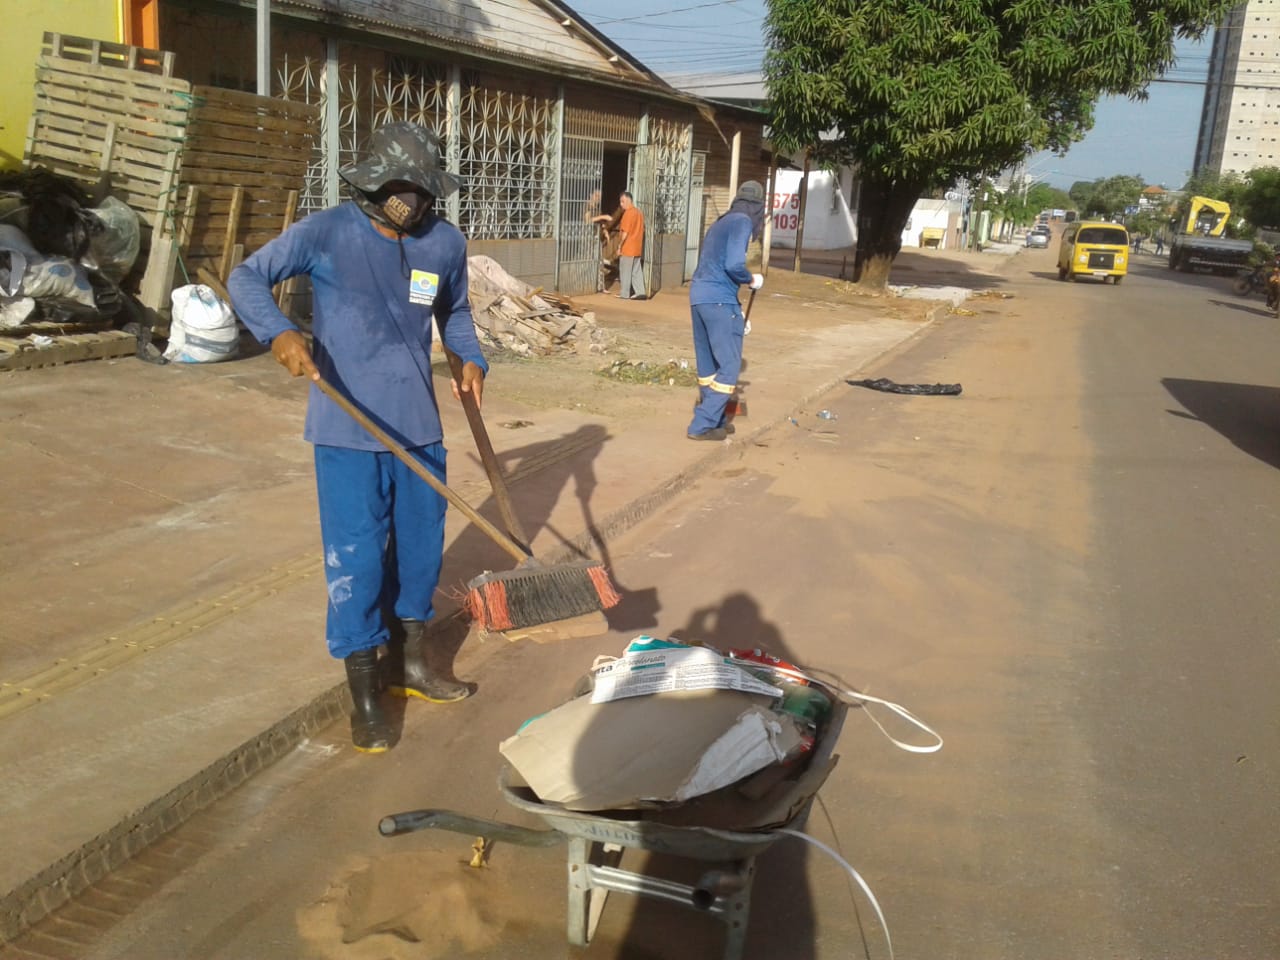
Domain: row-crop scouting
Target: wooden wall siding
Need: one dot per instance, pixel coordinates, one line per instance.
(109, 108)
(244, 155)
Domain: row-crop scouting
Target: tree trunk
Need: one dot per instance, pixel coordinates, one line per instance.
(883, 211)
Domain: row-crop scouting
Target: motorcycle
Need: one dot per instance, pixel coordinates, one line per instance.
(1264, 278)
(1254, 280)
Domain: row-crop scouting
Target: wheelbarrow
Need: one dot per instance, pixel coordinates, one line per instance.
(597, 841)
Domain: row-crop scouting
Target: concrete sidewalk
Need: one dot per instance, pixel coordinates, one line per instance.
(161, 612)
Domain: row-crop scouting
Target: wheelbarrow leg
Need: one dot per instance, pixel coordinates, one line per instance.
(586, 898)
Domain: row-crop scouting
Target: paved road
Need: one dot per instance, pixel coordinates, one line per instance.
(1069, 571)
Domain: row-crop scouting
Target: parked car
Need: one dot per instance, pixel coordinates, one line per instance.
(1038, 237)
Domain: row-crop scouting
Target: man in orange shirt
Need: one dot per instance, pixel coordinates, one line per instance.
(630, 271)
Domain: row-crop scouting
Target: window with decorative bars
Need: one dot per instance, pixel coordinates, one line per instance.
(508, 143)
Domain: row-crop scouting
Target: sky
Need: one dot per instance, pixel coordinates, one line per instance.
(708, 39)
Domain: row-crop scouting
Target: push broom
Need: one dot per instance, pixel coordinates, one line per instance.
(533, 593)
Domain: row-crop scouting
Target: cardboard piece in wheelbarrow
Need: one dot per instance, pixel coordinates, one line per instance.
(648, 751)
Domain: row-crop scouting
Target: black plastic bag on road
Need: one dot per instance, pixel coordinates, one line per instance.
(886, 385)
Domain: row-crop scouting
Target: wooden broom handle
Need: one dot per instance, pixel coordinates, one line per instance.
(490, 460)
(360, 417)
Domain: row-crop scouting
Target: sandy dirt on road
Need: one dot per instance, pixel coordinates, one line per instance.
(657, 333)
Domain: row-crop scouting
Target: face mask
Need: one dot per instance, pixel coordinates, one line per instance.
(403, 210)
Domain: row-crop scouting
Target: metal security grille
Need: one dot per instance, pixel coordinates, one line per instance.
(302, 78)
(616, 127)
(671, 202)
(508, 165)
(693, 220)
(508, 140)
(369, 95)
(579, 249)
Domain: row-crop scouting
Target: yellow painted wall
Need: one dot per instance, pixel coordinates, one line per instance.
(25, 23)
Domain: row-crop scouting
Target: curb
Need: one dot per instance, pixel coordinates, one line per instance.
(62, 881)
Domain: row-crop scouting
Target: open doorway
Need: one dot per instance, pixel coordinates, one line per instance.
(613, 177)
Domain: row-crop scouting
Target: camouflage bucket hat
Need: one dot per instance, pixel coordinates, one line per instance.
(402, 151)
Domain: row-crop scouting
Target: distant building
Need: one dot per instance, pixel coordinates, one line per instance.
(1240, 120)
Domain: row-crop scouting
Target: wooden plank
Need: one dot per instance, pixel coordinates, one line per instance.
(94, 109)
(208, 114)
(68, 145)
(101, 51)
(251, 103)
(187, 221)
(157, 280)
(204, 152)
(261, 181)
(140, 109)
(203, 135)
(253, 166)
(92, 128)
(233, 224)
(153, 83)
(211, 280)
(69, 348)
(284, 296)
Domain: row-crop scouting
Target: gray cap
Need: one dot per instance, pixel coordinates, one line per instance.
(402, 151)
(751, 190)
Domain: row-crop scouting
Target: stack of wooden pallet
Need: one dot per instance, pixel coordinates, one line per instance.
(244, 163)
(107, 109)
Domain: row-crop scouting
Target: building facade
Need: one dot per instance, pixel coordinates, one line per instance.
(544, 120)
(1240, 119)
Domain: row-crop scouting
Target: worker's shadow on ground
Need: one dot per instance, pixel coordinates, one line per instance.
(537, 474)
(781, 920)
(1246, 414)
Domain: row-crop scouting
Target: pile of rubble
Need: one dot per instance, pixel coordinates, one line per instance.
(511, 315)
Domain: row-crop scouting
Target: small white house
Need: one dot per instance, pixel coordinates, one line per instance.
(927, 218)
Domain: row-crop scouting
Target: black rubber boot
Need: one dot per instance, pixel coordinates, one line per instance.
(370, 731)
(407, 672)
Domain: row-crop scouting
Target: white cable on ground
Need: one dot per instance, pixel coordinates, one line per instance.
(875, 904)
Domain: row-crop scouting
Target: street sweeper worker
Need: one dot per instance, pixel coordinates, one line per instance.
(381, 266)
(718, 323)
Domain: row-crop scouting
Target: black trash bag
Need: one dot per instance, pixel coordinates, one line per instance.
(56, 215)
(886, 385)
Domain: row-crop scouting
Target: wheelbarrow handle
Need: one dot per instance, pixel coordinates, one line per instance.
(395, 824)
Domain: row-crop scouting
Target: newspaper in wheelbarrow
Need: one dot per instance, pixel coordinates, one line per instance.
(664, 724)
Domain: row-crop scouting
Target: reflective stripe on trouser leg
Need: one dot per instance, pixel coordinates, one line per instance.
(717, 344)
(360, 493)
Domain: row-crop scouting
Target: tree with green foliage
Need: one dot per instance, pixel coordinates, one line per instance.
(1259, 199)
(1111, 195)
(1041, 196)
(1081, 193)
(921, 93)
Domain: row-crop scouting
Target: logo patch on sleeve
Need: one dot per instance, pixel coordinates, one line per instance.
(423, 287)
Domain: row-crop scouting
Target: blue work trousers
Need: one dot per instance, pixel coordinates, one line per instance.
(717, 347)
(383, 532)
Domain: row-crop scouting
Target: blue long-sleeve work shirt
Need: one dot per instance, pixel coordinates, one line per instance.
(373, 299)
(722, 264)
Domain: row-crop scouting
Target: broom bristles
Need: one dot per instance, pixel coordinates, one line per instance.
(529, 596)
